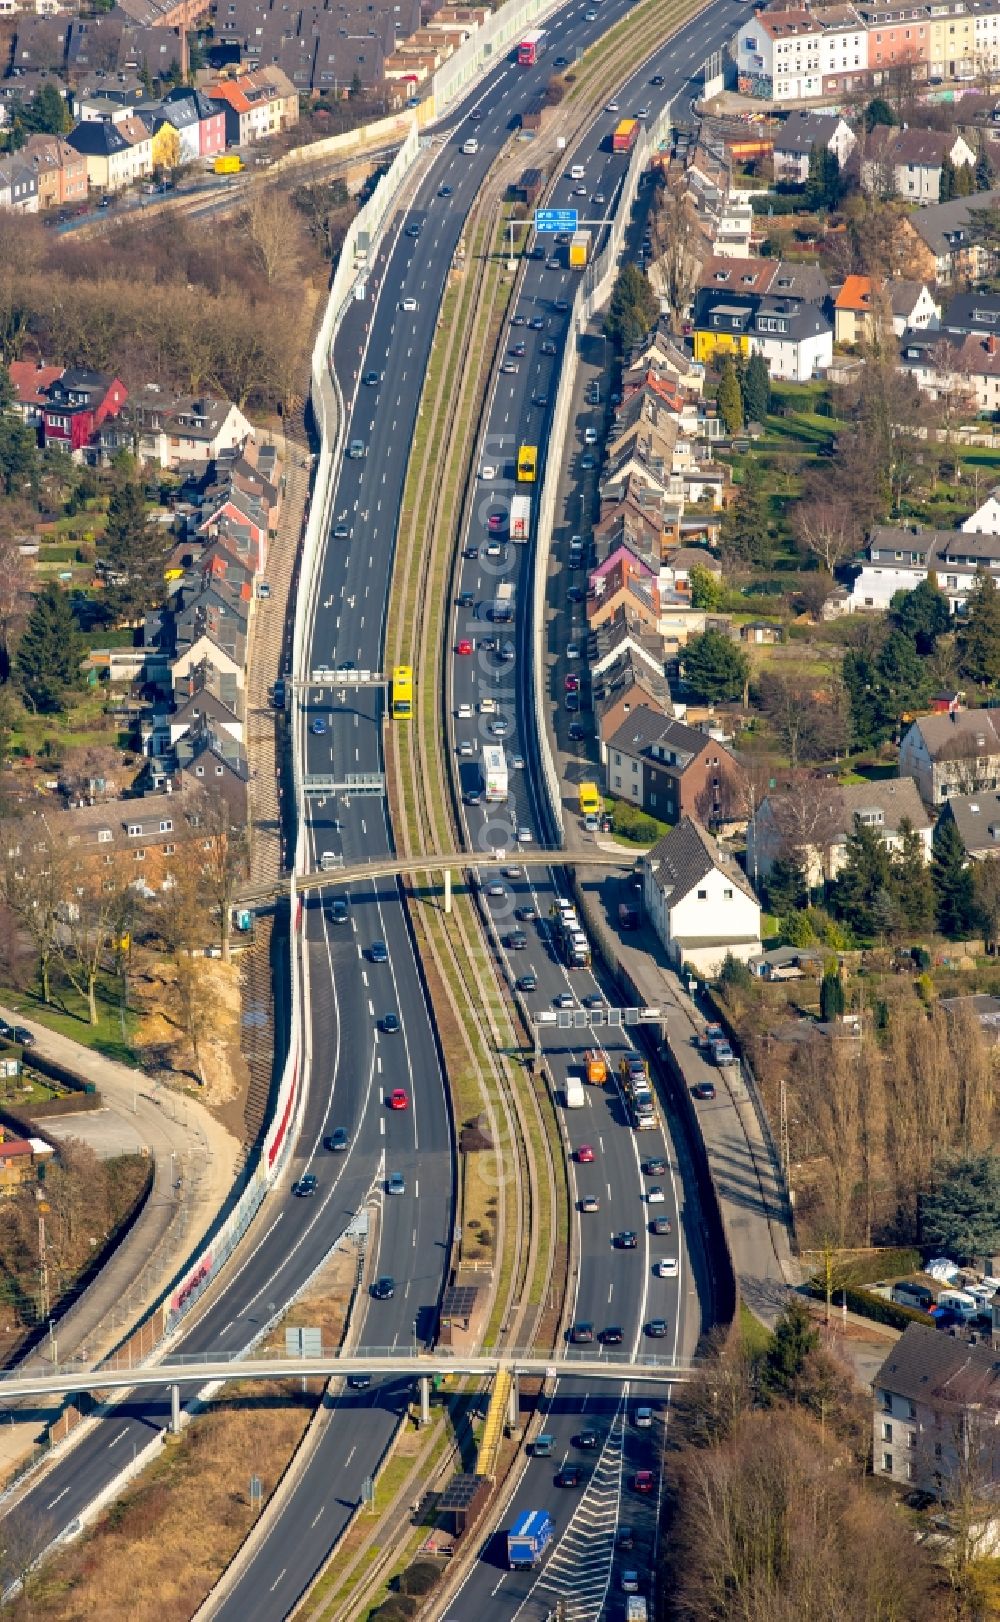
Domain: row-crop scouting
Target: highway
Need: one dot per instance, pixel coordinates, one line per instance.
(352, 1062)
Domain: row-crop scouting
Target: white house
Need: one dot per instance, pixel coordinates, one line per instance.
(814, 822)
(795, 339)
(800, 133)
(778, 55)
(698, 901)
(953, 753)
(913, 307)
(898, 559)
(986, 518)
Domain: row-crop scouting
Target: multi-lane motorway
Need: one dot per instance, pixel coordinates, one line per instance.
(353, 1061)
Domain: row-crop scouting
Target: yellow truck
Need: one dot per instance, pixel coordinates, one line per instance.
(579, 250)
(228, 163)
(597, 1067)
(590, 800)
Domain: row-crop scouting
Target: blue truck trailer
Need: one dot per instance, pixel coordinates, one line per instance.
(528, 1539)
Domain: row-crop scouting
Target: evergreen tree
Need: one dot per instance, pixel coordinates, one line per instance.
(134, 550)
(633, 311)
(746, 528)
(756, 389)
(965, 180)
(730, 401)
(961, 1214)
(951, 876)
(47, 666)
(946, 189)
(864, 875)
(878, 111)
(823, 182)
(921, 614)
(18, 445)
(985, 173)
(911, 878)
(706, 588)
(831, 995)
(714, 666)
(979, 638)
(793, 1342)
(785, 886)
(881, 686)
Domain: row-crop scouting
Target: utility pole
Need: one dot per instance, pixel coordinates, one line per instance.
(43, 1271)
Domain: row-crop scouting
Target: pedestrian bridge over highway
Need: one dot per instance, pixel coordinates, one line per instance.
(198, 1371)
(344, 874)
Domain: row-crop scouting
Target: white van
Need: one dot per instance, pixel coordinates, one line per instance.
(577, 172)
(464, 712)
(470, 147)
(959, 1302)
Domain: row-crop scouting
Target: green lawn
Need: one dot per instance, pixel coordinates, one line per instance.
(755, 1337)
(70, 1018)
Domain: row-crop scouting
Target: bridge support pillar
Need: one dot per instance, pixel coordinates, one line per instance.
(514, 1403)
(175, 1410)
(425, 1399)
(447, 890)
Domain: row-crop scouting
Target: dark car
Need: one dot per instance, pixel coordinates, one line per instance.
(661, 1226)
(576, 594)
(613, 1335)
(336, 1141)
(390, 1024)
(526, 914)
(569, 1476)
(625, 1539)
(537, 323)
(474, 797)
(338, 911)
(548, 347)
(582, 1334)
(358, 1382)
(625, 1240)
(21, 1034)
(378, 952)
(305, 1186)
(593, 999)
(562, 305)
(560, 61)
(444, 191)
(588, 1440)
(384, 1288)
(703, 1089)
(655, 1166)
(577, 733)
(516, 941)
(470, 552)
(656, 1328)
(527, 982)
(467, 599)
(370, 379)
(657, 79)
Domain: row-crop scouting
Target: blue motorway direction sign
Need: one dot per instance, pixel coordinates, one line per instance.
(556, 219)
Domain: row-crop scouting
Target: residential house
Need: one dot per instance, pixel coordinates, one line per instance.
(670, 770)
(172, 430)
(675, 570)
(188, 658)
(908, 162)
(977, 818)
(61, 171)
(913, 307)
(956, 753)
(212, 610)
(31, 381)
(18, 185)
(815, 822)
(803, 132)
(964, 371)
(936, 1407)
(794, 337)
(110, 158)
(17, 1163)
(899, 559)
(854, 309)
(256, 104)
(624, 583)
(77, 403)
(938, 243)
(778, 57)
(970, 313)
(200, 122)
(843, 51)
(986, 518)
(243, 517)
(207, 695)
(632, 681)
(146, 835)
(698, 901)
(732, 275)
(209, 757)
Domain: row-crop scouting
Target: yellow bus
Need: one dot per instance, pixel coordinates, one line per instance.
(527, 461)
(402, 692)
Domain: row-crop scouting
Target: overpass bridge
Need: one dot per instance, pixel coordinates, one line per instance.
(400, 1363)
(341, 874)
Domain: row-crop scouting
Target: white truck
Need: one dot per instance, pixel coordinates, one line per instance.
(520, 518)
(494, 773)
(503, 603)
(573, 1094)
(635, 1608)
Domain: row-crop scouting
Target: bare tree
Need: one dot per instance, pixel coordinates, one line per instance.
(196, 1012)
(272, 227)
(24, 1538)
(34, 884)
(676, 241)
(94, 915)
(986, 877)
(825, 522)
(224, 855)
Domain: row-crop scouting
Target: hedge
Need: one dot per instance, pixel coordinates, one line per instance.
(873, 1306)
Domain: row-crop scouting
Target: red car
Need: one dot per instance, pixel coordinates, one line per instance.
(398, 1099)
(572, 684)
(585, 1154)
(496, 522)
(644, 1481)
(465, 646)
